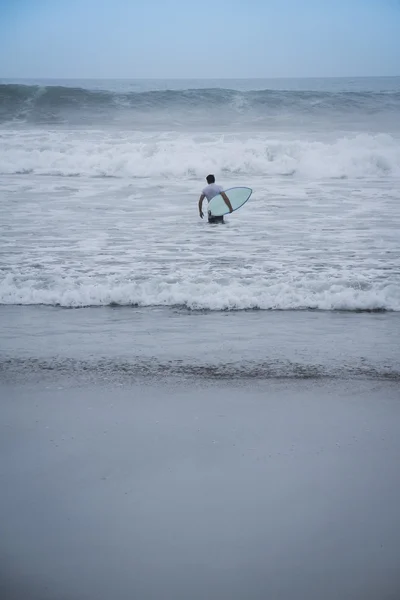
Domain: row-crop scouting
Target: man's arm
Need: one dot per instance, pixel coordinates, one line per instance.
(227, 201)
(201, 206)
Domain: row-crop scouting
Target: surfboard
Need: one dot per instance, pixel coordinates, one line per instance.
(237, 196)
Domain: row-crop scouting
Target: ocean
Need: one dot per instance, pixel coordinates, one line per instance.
(194, 410)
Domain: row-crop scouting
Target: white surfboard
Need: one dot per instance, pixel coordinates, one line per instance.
(237, 196)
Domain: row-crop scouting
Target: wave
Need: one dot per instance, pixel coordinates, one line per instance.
(133, 155)
(194, 295)
(68, 105)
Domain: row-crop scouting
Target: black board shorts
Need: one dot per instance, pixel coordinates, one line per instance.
(212, 219)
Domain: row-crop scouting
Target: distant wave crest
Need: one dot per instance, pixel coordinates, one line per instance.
(63, 105)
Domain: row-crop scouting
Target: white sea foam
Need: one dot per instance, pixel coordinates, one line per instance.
(329, 245)
(284, 293)
(168, 156)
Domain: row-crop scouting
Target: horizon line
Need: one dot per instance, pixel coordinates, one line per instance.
(208, 78)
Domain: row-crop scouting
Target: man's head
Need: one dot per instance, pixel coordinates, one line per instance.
(210, 179)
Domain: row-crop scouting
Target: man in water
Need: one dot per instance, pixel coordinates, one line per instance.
(211, 190)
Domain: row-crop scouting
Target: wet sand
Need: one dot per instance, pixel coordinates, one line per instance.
(193, 489)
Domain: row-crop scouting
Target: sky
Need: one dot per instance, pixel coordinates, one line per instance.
(198, 39)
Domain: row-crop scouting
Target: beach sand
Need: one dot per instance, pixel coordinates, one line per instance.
(157, 483)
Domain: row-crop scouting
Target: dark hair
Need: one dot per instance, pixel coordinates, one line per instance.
(210, 179)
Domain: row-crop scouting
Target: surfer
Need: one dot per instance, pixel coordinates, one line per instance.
(211, 190)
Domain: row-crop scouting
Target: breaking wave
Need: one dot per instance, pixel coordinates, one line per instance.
(129, 154)
(213, 296)
(69, 105)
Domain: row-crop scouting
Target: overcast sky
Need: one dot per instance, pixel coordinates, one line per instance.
(198, 39)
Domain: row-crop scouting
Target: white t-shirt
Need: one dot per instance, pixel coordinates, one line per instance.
(212, 190)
